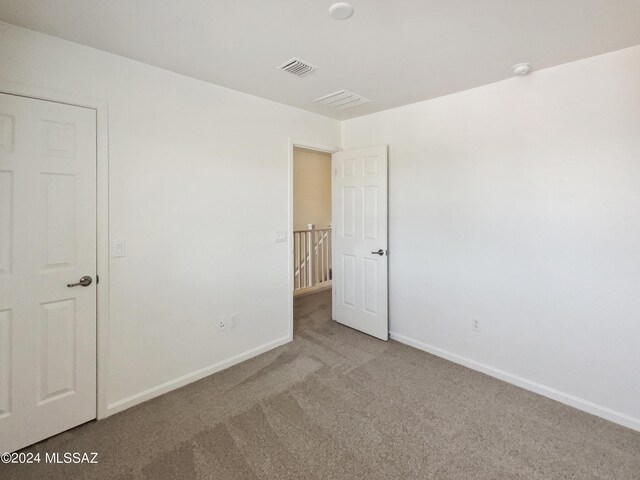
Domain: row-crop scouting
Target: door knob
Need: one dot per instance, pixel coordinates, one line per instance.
(379, 252)
(84, 282)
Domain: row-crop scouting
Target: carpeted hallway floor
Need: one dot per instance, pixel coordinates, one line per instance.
(337, 404)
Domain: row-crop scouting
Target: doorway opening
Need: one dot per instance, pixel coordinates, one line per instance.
(310, 225)
(345, 252)
(312, 269)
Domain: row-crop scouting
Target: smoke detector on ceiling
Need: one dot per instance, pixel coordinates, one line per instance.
(521, 68)
(297, 67)
(342, 100)
(341, 10)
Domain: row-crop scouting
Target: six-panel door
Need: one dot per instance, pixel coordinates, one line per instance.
(47, 240)
(360, 229)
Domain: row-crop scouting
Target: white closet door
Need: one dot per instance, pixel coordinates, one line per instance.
(47, 240)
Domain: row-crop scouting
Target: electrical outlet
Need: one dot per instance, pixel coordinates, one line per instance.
(222, 323)
(233, 319)
(475, 324)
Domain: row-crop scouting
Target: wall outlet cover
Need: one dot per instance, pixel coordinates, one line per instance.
(475, 324)
(118, 248)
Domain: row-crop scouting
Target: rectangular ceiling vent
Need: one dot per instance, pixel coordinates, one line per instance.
(342, 100)
(297, 67)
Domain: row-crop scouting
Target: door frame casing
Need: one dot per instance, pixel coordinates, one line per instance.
(293, 143)
(101, 108)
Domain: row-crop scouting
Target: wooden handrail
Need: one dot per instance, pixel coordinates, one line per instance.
(313, 229)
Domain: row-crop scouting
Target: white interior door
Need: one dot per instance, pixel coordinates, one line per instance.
(47, 240)
(360, 240)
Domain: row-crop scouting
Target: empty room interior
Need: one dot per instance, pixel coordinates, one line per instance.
(308, 239)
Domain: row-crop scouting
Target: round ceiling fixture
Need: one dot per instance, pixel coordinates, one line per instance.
(341, 10)
(521, 68)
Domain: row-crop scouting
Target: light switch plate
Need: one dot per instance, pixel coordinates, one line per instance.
(281, 236)
(118, 248)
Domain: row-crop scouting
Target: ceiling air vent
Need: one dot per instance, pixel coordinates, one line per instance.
(342, 100)
(297, 67)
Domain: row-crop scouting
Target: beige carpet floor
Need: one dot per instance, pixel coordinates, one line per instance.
(337, 404)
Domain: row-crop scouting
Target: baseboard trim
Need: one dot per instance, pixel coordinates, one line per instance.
(562, 397)
(314, 289)
(166, 387)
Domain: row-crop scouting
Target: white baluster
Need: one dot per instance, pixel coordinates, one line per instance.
(296, 256)
(327, 239)
(310, 236)
(321, 255)
(311, 257)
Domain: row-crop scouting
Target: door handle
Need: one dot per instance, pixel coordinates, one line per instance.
(84, 282)
(380, 252)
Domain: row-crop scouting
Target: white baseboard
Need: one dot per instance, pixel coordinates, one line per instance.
(567, 399)
(165, 387)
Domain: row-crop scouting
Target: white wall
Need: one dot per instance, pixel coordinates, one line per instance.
(518, 204)
(198, 186)
(311, 188)
(518, 201)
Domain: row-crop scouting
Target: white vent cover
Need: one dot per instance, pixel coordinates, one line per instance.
(342, 100)
(297, 67)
